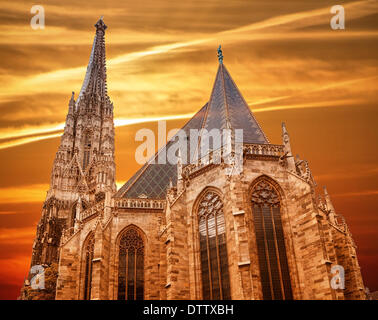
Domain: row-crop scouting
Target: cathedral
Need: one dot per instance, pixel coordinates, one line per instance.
(193, 229)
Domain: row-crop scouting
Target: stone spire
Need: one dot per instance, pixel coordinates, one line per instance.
(71, 104)
(94, 140)
(94, 84)
(84, 166)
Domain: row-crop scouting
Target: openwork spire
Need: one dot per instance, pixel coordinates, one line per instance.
(95, 78)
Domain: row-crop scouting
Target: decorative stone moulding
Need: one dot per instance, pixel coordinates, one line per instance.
(140, 204)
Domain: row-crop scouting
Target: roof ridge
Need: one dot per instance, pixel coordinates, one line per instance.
(249, 109)
(225, 98)
(201, 129)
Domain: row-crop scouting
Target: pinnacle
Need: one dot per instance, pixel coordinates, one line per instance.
(100, 25)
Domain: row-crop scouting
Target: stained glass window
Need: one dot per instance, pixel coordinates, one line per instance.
(88, 256)
(131, 266)
(274, 269)
(213, 249)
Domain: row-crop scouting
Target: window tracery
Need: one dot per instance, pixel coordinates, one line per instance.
(274, 269)
(213, 248)
(131, 266)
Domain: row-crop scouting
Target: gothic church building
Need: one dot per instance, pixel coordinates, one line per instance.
(188, 231)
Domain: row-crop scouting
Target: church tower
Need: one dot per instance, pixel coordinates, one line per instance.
(83, 172)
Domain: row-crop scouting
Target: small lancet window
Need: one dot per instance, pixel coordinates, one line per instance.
(88, 260)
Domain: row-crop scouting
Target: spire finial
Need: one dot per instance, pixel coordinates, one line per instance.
(71, 103)
(220, 54)
(100, 25)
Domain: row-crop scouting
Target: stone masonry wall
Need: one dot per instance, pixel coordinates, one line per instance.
(148, 223)
(172, 268)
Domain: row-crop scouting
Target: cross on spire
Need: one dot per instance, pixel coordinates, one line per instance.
(100, 25)
(220, 54)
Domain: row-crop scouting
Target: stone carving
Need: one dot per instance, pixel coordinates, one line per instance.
(210, 205)
(264, 193)
(303, 170)
(131, 240)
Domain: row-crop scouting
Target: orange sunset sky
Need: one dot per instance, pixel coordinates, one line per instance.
(161, 57)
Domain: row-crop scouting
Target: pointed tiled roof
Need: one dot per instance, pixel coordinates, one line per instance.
(95, 77)
(227, 104)
(225, 108)
(152, 180)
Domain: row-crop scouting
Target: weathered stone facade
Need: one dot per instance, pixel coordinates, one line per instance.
(164, 256)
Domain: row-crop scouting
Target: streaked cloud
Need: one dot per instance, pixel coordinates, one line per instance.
(32, 134)
(48, 81)
(357, 194)
(31, 193)
(287, 62)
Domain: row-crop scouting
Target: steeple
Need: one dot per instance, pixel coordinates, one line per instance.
(95, 78)
(94, 140)
(84, 166)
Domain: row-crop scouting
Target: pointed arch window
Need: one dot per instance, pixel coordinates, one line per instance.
(88, 259)
(274, 269)
(213, 249)
(131, 266)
